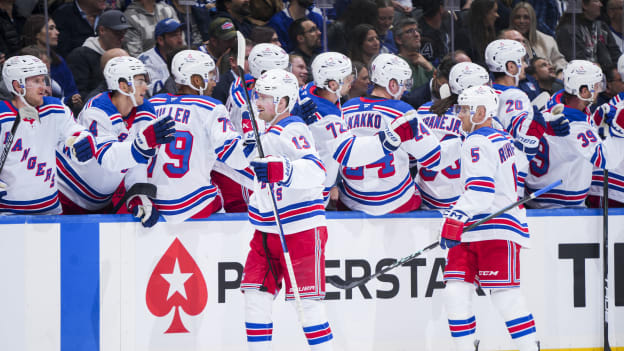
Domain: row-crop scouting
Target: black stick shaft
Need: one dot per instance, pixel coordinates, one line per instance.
(605, 257)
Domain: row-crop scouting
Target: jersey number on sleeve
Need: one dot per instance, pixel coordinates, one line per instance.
(586, 138)
(385, 165)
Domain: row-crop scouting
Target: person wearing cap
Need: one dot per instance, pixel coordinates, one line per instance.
(77, 21)
(222, 39)
(143, 15)
(169, 36)
(237, 12)
(84, 61)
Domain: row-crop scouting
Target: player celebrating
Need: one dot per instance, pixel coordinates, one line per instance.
(181, 169)
(295, 175)
(386, 185)
(333, 75)
(127, 132)
(489, 255)
(441, 189)
(573, 158)
(36, 123)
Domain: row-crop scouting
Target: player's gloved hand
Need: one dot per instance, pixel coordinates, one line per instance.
(452, 228)
(142, 208)
(306, 109)
(603, 114)
(249, 136)
(82, 145)
(402, 129)
(537, 125)
(3, 187)
(158, 131)
(273, 169)
(558, 124)
(616, 125)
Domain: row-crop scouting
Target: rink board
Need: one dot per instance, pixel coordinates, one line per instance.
(97, 283)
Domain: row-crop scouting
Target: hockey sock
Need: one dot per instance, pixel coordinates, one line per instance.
(519, 322)
(258, 323)
(316, 328)
(462, 322)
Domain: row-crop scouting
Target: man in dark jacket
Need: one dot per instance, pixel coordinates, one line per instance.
(84, 61)
(76, 21)
(10, 28)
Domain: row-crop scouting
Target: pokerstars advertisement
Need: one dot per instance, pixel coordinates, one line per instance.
(106, 283)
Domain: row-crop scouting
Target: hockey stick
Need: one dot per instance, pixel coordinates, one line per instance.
(240, 62)
(146, 189)
(342, 284)
(605, 257)
(9, 141)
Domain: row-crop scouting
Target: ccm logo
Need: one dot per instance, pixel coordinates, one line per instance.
(488, 273)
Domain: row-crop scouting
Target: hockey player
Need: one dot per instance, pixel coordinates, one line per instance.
(181, 169)
(440, 189)
(489, 255)
(336, 145)
(127, 133)
(386, 185)
(573, 158)
(28, 179)
(293, 172)
(516, 115)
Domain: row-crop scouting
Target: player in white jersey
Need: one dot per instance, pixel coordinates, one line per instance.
(28, 179)
(204, 134)
(337, 146)
(386, 185)
(573, 158)
(505, 59)
(441, 189)
(294, 173)
(489, 255)
(127, 132)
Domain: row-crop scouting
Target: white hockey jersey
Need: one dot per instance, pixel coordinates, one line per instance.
(181, 169)
(335, 143)
(383, 186)
(157, 68)
(489, 173)
(441, 189)
(30, 167)
(300, 204)
(572, 159)
(91, 185)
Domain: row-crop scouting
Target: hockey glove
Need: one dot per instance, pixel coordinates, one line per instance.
(603, 115)
(558, 124)
(142, 208)
(158, 131)
(306, 109)
(452, 228)
(249, 136)
(273, 169)
(538, 124)
(616, 125)
(82, 146)
(402, 129)
(3, 187)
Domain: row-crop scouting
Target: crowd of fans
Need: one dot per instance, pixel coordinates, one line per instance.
(76, 38)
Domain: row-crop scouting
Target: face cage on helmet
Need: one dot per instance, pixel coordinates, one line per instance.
(212, 75)
(131, 84)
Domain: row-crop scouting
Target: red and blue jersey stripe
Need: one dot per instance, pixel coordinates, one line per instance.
(224, 151)
(433, 202)
(562, 197)
(45, 204)
(598, 159)
(343, 151)
(616, 181)
(71, 178)
(288, 214)
(378, 198)
(186, 203)
(502, 222)
(432, 158)
(483, 184)
(46, 110)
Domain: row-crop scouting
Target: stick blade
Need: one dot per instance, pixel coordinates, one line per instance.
(342, 284)
(240, 57)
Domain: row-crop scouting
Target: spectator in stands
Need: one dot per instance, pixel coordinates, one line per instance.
(295, 10)
(362, 82)
(435, 40)
(339, 32)
(615, 85)
(407, 38)
(264, 35)
(237, 12)
(307, 38)
(169, 37)
(77, 21)
(524, 21)
(479, 30)
(544, 73)
(10, 28)
(364, 43)
(614, 12)
(143, 16)
(593, 38)
(262, 11)
(199, 18)
(106, 56)
(385, 19)
(84, 61)
(299, 69)
(547, 14)
(222, 40)
(431, 92)
(35, 34)
(222, 89)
